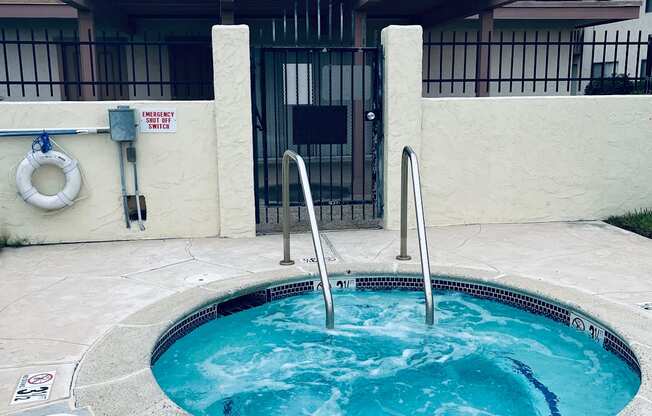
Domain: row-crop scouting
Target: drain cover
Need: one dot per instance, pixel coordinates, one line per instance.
(198, 279)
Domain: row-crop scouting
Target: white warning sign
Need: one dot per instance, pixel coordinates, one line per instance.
(584, 324)
(160, 120)
(34, 387)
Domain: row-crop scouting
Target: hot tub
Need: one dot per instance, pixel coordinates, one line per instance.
(492, 351)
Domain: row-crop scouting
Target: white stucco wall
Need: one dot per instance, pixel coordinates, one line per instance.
(177, 174)
(483, 160)
(524, 159)
(402, 110)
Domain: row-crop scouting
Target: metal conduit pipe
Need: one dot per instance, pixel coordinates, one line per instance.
(410, 156)
(52, 132)
(288, 156)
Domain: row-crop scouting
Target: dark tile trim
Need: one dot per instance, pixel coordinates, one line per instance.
(531, 304)
(513, 298)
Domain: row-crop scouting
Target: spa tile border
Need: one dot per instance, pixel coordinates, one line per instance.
(615, 345)
(205, 315)
(521, 301)
(532, 304)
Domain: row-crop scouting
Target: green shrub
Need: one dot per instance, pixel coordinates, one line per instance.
(639, 222)
(616, 85)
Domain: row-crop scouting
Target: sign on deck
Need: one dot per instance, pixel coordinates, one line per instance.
(33, 387)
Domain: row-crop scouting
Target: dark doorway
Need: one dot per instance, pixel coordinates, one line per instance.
(191, 68)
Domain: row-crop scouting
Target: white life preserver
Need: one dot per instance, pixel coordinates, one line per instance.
(49, 202)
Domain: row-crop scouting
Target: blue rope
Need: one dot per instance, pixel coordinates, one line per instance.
(42, 143)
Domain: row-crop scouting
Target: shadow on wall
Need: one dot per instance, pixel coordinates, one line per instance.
(7, 240)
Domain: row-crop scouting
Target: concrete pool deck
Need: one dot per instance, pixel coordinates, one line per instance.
(57, 302)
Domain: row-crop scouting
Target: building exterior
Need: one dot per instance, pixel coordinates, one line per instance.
(127, 56)
(634, 65)
(121, 49)
(530, 48)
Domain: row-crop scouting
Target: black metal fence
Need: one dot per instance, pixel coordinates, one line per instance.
(537, 63)
(344, 169)
(46, 65)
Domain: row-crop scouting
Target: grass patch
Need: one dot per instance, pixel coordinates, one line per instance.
(639, 222)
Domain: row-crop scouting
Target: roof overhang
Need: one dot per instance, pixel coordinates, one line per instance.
(36, 10)
(593, 12)
(428, 11)
(417, 11)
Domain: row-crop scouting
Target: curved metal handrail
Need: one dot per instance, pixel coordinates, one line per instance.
(316, 242)
(411, 156)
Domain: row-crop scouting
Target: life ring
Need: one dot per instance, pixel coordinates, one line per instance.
(49, 202)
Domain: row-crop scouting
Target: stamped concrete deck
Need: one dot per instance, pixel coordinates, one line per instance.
(57, 301)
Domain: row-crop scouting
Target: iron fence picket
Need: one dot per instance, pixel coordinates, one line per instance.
(542, 60)
(283, 77)
(34, 65)
(558, 61)
(453, 61)
(49, 57)
(19, 48)
(77, 62)
(6, 61)
(99, 67)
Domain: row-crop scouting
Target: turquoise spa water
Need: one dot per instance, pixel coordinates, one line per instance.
(481, 358)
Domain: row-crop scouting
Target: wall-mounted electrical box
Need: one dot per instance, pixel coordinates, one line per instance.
(122, 123)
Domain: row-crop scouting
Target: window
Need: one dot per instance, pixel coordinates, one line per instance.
(609, 69)
(648, 6)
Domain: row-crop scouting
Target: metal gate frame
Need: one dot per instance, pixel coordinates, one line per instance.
(346, 180)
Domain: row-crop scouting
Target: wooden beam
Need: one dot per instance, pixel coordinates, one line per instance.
(458, 10)
(482, 57)
(362, 5)
(358, 153)
(38, 11)
(227, 12)
(79, 4)
(570, 10)
(87, 71)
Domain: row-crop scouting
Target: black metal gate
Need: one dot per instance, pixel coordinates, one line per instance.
(325, 104)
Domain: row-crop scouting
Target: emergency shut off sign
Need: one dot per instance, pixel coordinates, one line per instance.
(161, 120)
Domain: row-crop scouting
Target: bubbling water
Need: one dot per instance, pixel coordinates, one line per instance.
(480, 358)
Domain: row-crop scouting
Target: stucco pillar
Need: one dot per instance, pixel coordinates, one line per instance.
(231, 81)
(403, 47)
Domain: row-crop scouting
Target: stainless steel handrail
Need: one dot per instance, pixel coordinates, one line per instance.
(316, 242)
(409, 155)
